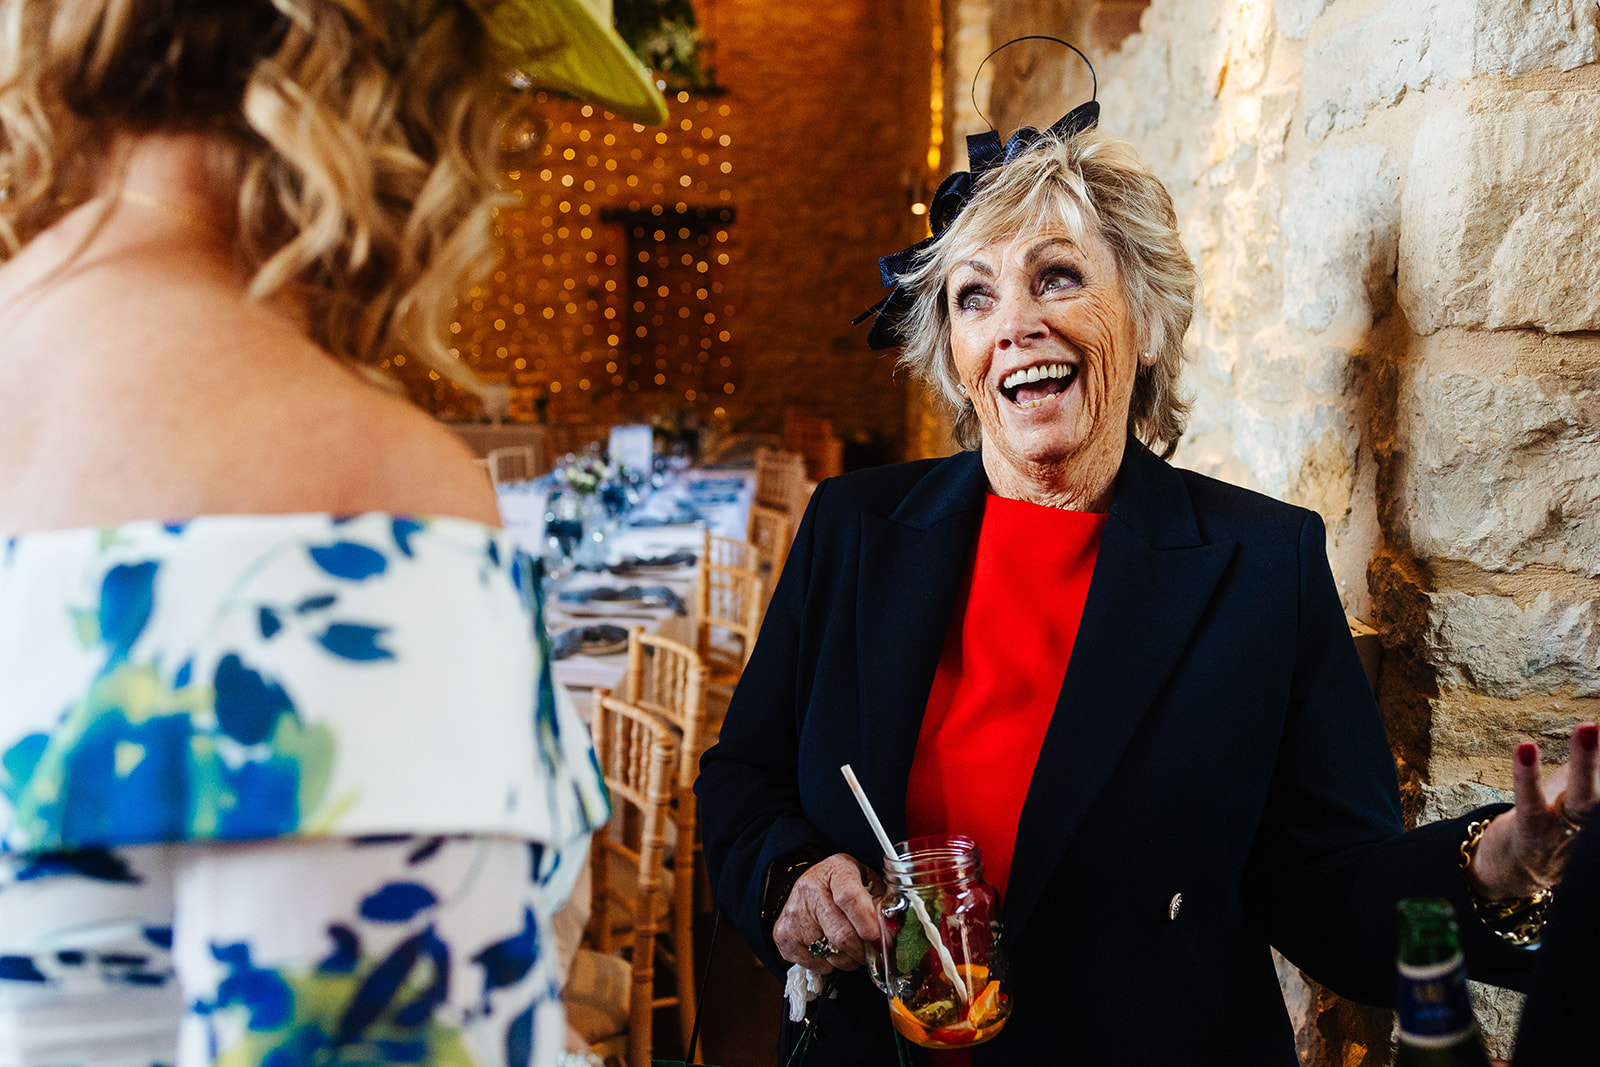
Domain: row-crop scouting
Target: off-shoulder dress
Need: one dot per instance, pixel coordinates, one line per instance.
(283, 789)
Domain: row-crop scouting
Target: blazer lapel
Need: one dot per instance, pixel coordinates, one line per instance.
(1152, 580)
(913, 565)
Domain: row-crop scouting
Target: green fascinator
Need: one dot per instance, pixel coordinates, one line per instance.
(566, 46)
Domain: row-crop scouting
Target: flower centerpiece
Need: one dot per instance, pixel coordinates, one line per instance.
(585, 475)
(581, 513)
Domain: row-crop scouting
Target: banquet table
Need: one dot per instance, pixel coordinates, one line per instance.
(715, 499)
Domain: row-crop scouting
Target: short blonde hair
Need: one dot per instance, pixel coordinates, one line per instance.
(1088, 183)
(363, 137)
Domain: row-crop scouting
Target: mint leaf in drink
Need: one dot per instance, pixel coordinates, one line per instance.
(911, 947)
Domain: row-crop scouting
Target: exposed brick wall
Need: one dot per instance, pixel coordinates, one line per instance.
(826, 113)
(834, 104)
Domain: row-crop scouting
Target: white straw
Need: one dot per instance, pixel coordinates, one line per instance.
(921, 909)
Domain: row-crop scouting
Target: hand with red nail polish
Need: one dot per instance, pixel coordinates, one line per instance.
(1524, 849)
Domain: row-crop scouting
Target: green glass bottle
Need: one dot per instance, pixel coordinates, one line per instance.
(1437, 1027)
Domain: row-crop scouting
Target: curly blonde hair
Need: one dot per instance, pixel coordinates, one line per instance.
(1089, 182)
(363, 137)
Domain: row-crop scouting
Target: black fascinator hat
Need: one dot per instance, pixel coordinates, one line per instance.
(984, 153)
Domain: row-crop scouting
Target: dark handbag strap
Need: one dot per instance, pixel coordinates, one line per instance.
(902, 1048)
(700, 998)
(807, 1035)
(798, 1055)
(700, 993)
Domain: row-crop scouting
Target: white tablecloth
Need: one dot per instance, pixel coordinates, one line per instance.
(722, 500)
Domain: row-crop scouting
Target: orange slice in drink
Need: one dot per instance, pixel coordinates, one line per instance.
(985, 1007)
(909, 1026)
(974, 975)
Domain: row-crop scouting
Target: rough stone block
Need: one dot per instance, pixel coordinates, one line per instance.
(1513, 36)
(1235, 239)
(1490, 643)
(1340, 228)
(1498, 227)
(1472, 736)
(1376, 61)
(1455, 799)
(1295, 16)
(1402, 47)
(1249, 44)
(1505, 471)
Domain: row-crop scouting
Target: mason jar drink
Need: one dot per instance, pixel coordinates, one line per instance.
(951, 990)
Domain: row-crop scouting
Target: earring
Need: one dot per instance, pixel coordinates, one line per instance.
(1149, 358)
(961, 388)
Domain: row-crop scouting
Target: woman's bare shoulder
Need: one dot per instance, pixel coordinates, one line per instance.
(362, 448)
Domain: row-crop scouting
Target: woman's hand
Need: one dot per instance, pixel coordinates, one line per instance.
(1523, 850)
(831, 902)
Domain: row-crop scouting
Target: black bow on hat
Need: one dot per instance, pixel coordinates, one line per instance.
(985, 154)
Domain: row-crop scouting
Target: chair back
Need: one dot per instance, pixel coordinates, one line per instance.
(727, 613)
(770, 533)
(779, 477)
(812, 437)
(667, 679)
(638, 757)
(514, 463)
(731, 552)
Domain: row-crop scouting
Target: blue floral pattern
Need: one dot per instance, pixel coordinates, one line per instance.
(368, 700)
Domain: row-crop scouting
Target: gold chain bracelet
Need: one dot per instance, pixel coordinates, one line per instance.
(1518, 921)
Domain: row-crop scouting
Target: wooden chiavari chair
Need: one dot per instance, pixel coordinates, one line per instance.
(638, 756)
(812, 437)
(779, 476)
(730, 552)
(514, 463)
(770, 533)
(666, 678)
(727, 616)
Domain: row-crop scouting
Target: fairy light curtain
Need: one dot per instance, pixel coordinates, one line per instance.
(609, 303)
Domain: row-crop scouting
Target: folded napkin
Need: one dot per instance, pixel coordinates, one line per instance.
(655, 596)
(681, 515)
(602, 639)
(716, 485)
(683, 557)
(709, 491)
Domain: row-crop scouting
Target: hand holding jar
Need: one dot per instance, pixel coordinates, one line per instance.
(830, 920)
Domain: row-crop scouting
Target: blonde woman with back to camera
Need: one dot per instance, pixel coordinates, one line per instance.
(282, 773)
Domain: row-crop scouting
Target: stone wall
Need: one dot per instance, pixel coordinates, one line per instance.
(1391, 206)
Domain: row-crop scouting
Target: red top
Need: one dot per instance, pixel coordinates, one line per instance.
(1000, 673)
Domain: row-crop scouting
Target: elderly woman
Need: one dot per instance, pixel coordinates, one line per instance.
(1132, 685)
(283, 767)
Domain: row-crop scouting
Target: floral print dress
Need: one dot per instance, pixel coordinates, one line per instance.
(282, 789)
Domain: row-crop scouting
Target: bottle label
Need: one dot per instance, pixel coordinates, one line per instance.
(1435, 1010)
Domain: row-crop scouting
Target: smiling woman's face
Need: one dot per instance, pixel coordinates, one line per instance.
(1046, 347)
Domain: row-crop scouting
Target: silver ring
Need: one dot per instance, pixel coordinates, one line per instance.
(822, 947)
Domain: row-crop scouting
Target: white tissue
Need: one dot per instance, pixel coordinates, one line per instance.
(802, 987)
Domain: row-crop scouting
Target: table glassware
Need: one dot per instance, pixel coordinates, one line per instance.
(946, 874)
(594, 534)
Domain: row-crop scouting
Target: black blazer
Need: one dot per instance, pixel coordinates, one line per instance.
(1215, 737)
